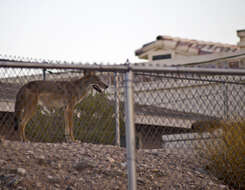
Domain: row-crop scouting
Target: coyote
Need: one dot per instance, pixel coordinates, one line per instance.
(54, 94)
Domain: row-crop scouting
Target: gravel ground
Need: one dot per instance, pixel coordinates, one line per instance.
(88, 166)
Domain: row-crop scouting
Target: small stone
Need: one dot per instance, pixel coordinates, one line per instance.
(81, 179)
(21, 171)
(29, 152)
(52, 179)
(20, 188)
(83, 164)
(75, 173)
(69, 188)
(111, 160)
(2, 162)
(57, 185)
(38, 184)
(59, 165)
(124, 164)
(41, 160)
(3, 141)
(140, 181)
(41, 157)
(222, 186)
(117, 187)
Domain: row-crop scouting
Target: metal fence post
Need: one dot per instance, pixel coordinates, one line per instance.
(116, 96)
(130, 130)
(226, 106)
(44, 74)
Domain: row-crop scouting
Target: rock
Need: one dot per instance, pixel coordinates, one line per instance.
(140, 181)
(41, 160)
(81, 179)
(29, 152)
(69, 188)
(58, 166)
(50, 177)
(57, 185)
(41, 157)
(84, 164)
(38, 184)
(75, 173)
(3, 141)
(111, 160)
(124, 164)
(53, 179)
(21, 171)
(20, 188)
(223, 186)
(2, 162)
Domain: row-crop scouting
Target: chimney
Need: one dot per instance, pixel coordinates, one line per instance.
(241, 35)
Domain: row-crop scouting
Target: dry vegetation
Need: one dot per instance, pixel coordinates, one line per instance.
(227, 160)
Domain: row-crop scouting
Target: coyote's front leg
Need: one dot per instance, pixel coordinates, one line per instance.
(68, 113)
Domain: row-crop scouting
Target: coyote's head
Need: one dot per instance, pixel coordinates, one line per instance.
(95, 81)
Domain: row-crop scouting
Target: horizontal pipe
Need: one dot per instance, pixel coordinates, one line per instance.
(37, 65)
(121, 68)
(190, 70)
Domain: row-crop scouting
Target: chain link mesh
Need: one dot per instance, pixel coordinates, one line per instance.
(195, 116)
(198, 117)
(94, 118)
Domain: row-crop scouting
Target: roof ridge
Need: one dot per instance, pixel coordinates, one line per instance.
(168, 37)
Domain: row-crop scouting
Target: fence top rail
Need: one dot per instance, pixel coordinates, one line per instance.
(45, 65)
(156, 68)
(185, 70)
(123, 68)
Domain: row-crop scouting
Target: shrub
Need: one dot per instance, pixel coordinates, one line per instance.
(94, 122)
(227, 159)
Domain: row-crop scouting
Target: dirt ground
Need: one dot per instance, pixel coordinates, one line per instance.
(73, 166)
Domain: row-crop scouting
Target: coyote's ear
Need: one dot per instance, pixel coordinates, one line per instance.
(88, 73)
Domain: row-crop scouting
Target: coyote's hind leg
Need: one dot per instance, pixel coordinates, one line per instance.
(68, 113)
(27, 113)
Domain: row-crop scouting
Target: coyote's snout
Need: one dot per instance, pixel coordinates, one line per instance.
(54, 94)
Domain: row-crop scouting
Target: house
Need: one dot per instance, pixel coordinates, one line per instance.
(167, 47)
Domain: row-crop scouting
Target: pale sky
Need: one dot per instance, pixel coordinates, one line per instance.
(109, 31)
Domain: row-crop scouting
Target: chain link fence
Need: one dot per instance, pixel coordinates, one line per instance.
(94, 117)
(169, 104)
(199, 117)
(188, 114)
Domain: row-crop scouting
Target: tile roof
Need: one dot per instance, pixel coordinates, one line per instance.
(189, 46)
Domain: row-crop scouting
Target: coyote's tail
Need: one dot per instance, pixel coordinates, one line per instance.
(17, 109)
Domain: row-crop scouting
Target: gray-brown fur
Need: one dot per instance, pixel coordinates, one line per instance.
(53, 94)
